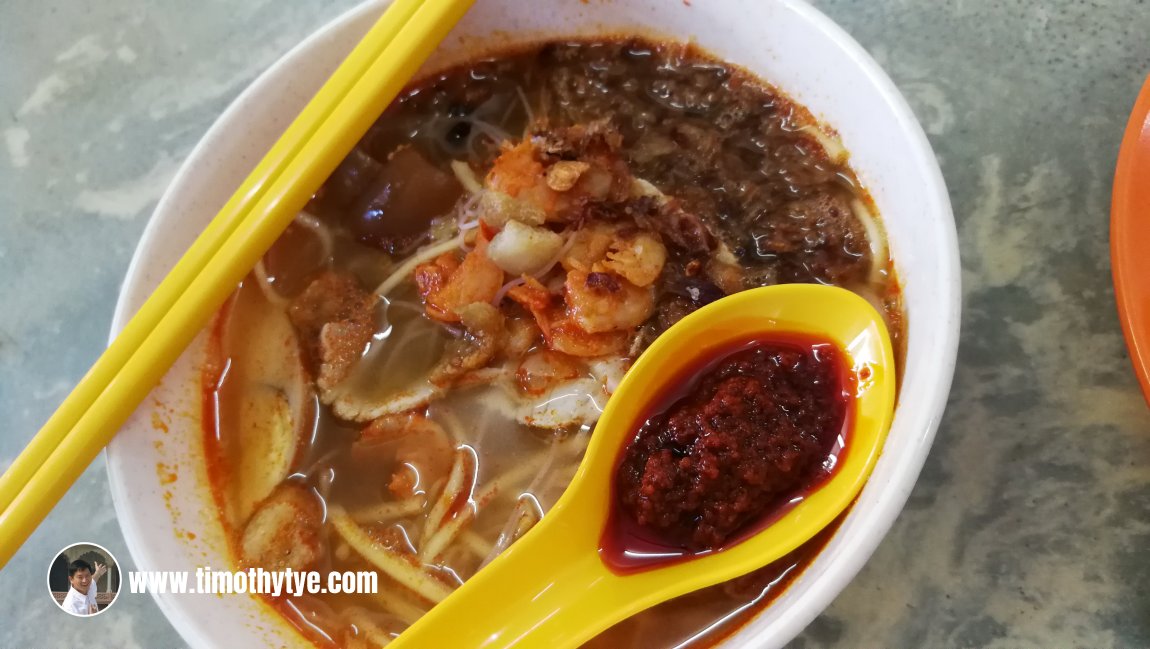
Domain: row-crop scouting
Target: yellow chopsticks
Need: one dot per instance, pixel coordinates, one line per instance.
(201, 251)
(277, 189)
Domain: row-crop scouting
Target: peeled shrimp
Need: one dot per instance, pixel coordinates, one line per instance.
(445, 290)
(534, 297)
(560, 331)
(563, 175)
(568, 337)
(589, 245)
(519, 174)
(601, 302)
(637, 257)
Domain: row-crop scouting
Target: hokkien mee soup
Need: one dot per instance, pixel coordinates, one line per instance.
(408, 379)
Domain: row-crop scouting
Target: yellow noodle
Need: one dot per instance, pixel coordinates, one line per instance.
(356, 642)
(320, 230)
(398, 605)
(466, 176)
(552, 453)
(388, 511)
(875, 237)
(270, 293)
(501, 483)
(342, 551)
(451, 424)
(400, 568)
(371, 631)
(475, 543)
(531, 514)
(447, 533)
(427, 253)
(451, 491)
(526, 514)
(830, 143)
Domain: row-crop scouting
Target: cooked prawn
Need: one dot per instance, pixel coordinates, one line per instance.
(601, 302)
(421, 454)
(476, 279)
(518, 173)
(534, 297)
(638, 257)
(562, 331)
(521, 334)
(568, 337)
(589, 245)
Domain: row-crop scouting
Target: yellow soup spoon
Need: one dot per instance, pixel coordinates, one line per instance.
(555, 588)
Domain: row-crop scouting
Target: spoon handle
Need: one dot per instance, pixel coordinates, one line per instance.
(549, 589)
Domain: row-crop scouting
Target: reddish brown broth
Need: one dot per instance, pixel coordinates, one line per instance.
(754, 176)
(731, 444)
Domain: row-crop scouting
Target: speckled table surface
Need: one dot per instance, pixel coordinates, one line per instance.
(1030, 523)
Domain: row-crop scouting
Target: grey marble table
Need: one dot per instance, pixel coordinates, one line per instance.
(1031, 524)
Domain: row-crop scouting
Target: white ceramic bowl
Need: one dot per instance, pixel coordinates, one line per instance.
(173, 525)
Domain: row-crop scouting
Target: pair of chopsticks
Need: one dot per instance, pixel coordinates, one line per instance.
(267, 201)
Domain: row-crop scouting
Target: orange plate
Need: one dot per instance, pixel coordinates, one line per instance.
(1130, 236)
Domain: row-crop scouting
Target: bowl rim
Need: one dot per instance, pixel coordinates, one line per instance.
(1130, 237)
(931, 403)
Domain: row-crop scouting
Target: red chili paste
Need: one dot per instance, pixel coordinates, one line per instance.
(731, 444)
